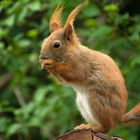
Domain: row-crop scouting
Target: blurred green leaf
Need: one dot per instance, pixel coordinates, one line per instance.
(35, 5)
(32, 33)
(13, 129)
(136, 61)
(111, 8)
(9, 21)
(41, 93)
(23, 43)
(90, 22)
(35, 122)
(91, 11)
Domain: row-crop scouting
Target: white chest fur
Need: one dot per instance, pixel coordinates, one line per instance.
(83, 105)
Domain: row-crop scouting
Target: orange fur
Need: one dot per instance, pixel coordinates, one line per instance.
(133, 115)
(73, 14)
(98, 82)
(55, 21)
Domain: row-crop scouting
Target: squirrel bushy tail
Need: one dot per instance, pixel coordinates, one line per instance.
(133, 115)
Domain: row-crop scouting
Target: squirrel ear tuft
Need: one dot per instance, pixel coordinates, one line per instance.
(73, 14)
(55, 21)
(68, 27)
(68, 31)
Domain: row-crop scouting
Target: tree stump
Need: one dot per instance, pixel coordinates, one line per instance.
(85, 134)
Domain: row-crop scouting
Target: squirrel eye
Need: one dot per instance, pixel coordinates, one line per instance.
(57, 44)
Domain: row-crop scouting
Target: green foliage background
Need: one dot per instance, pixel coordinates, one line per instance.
(32, 104)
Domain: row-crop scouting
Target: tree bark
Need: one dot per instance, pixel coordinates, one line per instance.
(85, 134)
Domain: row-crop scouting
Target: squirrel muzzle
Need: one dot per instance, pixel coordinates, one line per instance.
(45, 61)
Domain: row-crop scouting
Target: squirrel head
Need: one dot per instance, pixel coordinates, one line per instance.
(60, 42)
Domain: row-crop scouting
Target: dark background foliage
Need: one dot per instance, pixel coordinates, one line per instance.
(32, 104)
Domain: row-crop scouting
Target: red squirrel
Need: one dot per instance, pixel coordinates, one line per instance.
(101, 93)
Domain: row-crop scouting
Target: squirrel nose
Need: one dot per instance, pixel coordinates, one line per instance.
(43, 56)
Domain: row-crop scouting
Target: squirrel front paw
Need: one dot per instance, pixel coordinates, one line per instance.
(46, 63)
